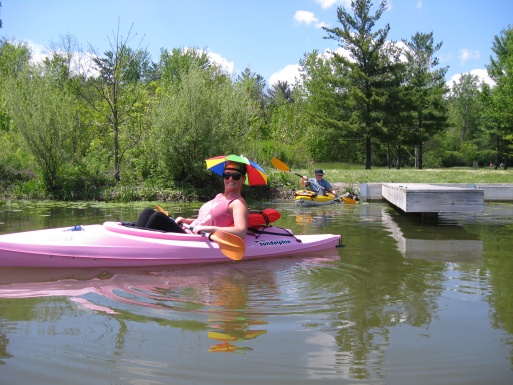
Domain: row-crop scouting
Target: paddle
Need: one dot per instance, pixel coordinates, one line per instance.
(283, 167)
(349, 200)
(230, 245)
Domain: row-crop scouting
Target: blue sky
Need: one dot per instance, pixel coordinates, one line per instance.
(269, 36)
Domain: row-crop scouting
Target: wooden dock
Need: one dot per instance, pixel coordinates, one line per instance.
(432, 198)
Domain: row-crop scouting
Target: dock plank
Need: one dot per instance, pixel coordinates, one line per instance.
(431, 198)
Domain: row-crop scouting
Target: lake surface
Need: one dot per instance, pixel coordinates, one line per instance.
(406, 301)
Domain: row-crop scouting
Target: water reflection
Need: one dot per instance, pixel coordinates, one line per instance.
(227, 301)
(418, 238)
(402, 298)
(233, 317)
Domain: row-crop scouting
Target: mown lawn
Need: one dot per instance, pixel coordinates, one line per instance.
(354, 175)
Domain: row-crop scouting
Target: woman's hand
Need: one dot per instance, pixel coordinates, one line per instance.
(180, 220)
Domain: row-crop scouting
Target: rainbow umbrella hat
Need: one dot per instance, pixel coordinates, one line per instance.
(255, 176)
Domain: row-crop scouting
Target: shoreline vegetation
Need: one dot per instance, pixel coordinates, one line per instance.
(120, 126)
(344, 178)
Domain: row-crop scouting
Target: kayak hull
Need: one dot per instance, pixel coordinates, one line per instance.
(113, 245)
(306, 198)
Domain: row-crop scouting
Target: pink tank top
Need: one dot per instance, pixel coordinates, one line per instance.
(215, 213)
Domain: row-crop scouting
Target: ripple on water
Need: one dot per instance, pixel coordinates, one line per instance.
(270, 287)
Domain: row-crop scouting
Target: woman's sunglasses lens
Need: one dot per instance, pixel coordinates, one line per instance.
(227, 176)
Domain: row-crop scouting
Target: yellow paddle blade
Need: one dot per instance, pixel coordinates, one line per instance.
(283, 167)
(230, 245)
(349, 200)
(279, 164)
(160, 209)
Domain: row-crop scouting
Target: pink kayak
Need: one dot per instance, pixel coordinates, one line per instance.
(114, 244)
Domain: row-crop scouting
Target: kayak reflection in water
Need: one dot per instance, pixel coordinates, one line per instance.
(227, 212)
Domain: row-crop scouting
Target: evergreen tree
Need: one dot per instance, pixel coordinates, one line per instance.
(426, 86)
(254, 84)
(362, 72)
(500, 98)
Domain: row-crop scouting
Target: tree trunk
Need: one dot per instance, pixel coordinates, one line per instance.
(398, 159)
(116, 153)
(419, 156)
(497, 149)
(388, 156)
(367, 153)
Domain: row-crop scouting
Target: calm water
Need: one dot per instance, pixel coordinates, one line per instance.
(405, 301)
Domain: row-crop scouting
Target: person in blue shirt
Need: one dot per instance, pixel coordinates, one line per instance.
(319, 185)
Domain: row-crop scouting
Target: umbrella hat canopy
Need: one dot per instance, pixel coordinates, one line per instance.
(255, 175)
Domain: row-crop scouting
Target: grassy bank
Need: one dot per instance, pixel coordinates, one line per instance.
(282, 184)
(352, 176)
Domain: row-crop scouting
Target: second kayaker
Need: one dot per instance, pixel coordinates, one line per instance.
(318, 184)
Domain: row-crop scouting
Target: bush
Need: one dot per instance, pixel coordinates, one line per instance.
(453, 159)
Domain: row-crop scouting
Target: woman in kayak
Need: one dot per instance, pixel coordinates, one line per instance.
(227, 212)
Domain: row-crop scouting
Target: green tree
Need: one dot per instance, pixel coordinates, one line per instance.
(14, 56)
(398, 117)
(283, 132)
(201, 116)
(254, 84)
(500, 99)
(326, 103)
(426, 87)
(174, 64)
(465, 107)
(280, 92)
(44, 116)
(362, 71)
(117, 98)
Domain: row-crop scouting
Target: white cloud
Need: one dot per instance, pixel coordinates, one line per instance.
(291, 73)
(328, 3)
(341, 52)
(223, 63)
(468, 54)
(288, 74)
(39, 52)
(482, 74)
(81, 62)
(307, 17)
(419, 4)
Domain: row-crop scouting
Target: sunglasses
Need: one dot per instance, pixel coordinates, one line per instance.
(227, 175)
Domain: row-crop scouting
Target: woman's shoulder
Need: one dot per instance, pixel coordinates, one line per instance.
(238, 200)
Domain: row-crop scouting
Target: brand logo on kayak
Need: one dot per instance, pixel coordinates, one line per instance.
(278, 242)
